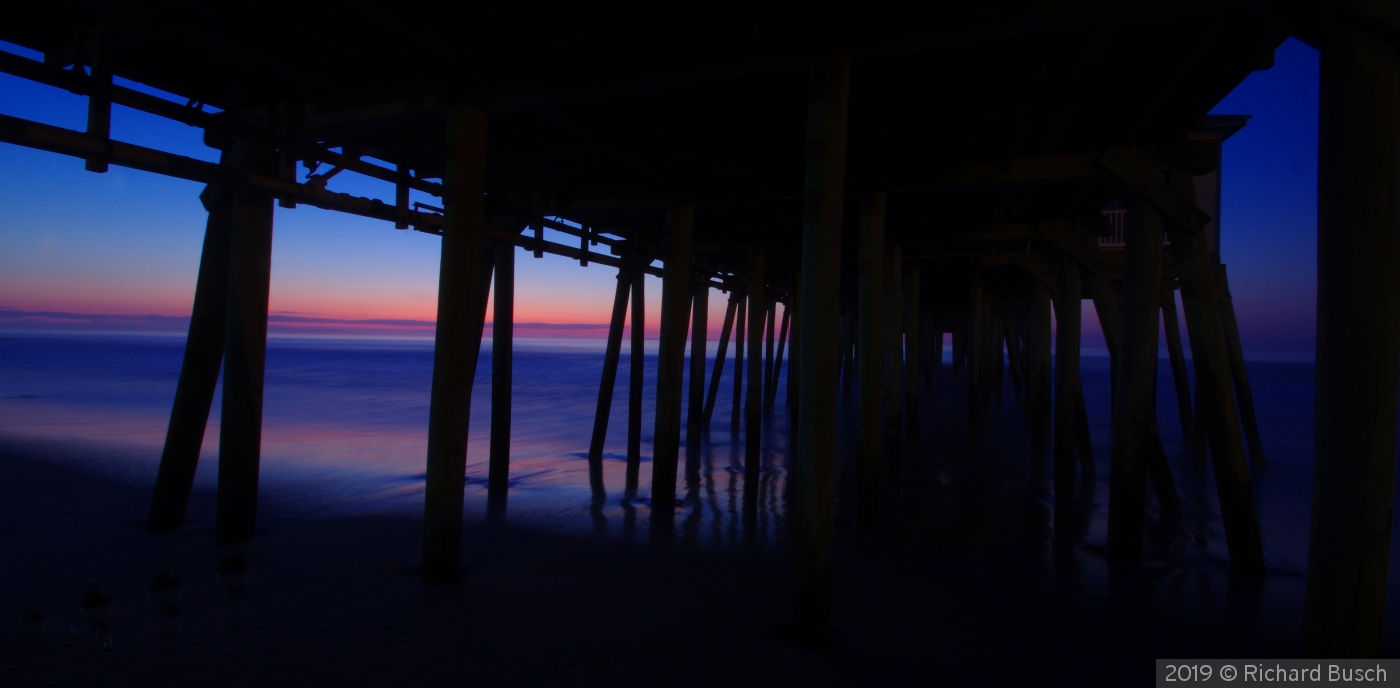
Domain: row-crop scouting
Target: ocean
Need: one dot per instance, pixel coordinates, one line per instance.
(345, 432)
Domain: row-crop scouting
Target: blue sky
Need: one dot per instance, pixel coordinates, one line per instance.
(128, 242)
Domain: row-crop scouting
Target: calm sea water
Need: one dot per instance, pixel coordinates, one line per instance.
(345, 425)
(345, 431)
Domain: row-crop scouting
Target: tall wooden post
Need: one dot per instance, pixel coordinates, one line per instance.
(720, 355)
(894, 361)
(850, 322)
(1237, 368)
(670, 364)
(973, 341)
(1016, 362)
(736, 411)
(794, 350)
(502, 366)
(199, 373)
(997, 351)
(821, 293)
(872, 358)
(611, 354)
(636, 362)
(771, 393)
(753, 402)
(699, 331)
(1215, 393)
(1136, 384)
(458, 308)
(245, 356)
(1358, 342)
(771, 350)
(1038, 375)
(1067, 333)
(913, 349)
(1172, 329)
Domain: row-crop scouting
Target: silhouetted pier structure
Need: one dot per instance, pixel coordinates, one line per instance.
(885, 173)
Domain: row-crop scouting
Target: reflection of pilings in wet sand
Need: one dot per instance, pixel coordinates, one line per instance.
(629, 513)
(496, 505)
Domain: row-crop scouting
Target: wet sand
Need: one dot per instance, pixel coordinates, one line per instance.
(91, 599)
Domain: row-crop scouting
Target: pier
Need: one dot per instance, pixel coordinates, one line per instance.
(858, 184)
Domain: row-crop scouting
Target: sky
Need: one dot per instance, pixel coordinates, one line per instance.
(127, 243)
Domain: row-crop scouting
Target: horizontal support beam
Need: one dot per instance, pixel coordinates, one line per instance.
(52, 139)
(84, 85)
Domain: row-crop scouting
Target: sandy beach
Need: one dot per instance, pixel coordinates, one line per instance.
(91, 599)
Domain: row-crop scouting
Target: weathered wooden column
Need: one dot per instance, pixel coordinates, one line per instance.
(849, 324)
(1067, 333)
(794, 350)
(502, 366)
(997, 351)
(973, 342)
(1215, 393)
(1136, 380)
(636, 363)
(821, 293)
(736, 411)
(913, 350)
(449, 413)
(1172, 328)
(753, 402)
(894, 361)
(1016, 362)
(771, 311)
(611, 354)
(245, 356)
(199, 372)
(699, 331)
(720, 355)
(872, 359)
(1358, 342)
(1038, 372)
(670, 364)
(771, 392)
(1237, 368)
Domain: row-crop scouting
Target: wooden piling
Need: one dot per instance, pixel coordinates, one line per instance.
(850, 323)
(502, 366)
(245, 356)
(636, 362)
(1215, 393)
(794, 342)
(975, 373)
(740, 322)
(1016, 363)
(1134, 404)
(771, 391)
(1237, 369)
(699, 336)
(894, 361)
(670, 365)
(997, 351)
(1067, 334)
(450, 407)
(1358, 341)
(771, 310)
(872, 360)
(611, 354)
(720, 355)
(199, 372)
(821, 263)
(753, 401)
(913, 348)
(1038, 382)
(1172, 328)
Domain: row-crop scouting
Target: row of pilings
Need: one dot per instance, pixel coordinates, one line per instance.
(1358, 352)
